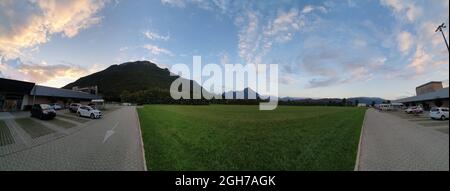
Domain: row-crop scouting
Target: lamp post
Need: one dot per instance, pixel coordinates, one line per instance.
(439, 28)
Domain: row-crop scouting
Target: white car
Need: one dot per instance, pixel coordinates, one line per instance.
(439, 113)
(87, 111)
(414, 109)
(56, 106)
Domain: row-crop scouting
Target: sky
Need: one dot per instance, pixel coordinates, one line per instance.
(331, 48)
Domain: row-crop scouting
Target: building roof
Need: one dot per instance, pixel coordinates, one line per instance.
(58, 92)
(15, 86)
(438, 94)
(432, 82)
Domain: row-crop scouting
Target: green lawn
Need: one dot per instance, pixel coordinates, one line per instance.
(237, 137)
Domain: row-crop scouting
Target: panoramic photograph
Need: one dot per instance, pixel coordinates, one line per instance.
(224, 85)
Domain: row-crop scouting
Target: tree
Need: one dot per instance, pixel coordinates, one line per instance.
(125, 96)
(356, 102)
(344, 101)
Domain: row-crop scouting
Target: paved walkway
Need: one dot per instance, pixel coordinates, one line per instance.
(111, 143)
(391, 143)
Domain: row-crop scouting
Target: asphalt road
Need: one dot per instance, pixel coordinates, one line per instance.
(110, 143)
(392, 143)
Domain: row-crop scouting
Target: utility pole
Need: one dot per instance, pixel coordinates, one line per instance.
(440, 27)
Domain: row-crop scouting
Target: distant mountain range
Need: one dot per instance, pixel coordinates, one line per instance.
(146, 76)
(352, 100)
(245, 93)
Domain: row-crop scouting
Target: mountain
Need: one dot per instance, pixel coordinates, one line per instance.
(129, 77)
(246, 92)
(329, 101)
(292, 98)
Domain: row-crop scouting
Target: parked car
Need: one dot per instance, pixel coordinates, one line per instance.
(74, 107)
(439, 113)
(42, 111)
(414, 109)
(56, 106)
(87, 111)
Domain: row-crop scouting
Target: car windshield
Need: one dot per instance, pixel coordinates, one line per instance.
(45, 106)
(88, 107)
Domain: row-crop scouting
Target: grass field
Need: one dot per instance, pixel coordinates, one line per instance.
(237, 137)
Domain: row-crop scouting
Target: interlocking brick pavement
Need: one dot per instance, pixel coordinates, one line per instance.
(392, 143)
(82, 147)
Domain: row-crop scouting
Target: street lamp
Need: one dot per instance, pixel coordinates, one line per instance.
(440, 27)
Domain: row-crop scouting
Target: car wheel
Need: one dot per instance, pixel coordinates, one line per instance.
(92, 116)
(442, 117)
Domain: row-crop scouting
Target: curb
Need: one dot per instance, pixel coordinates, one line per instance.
(142, 141)
(360, 142)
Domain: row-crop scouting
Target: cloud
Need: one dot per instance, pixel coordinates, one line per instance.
(221, 4)
(405, 41)
(286, 79)
(43, 73)
(283, 26)
(328, 64)
(155, 36)
(310, 8)
(125, 48)
(26, 24)
(429, 56)
(314, 83)
(155, 50)
(175, 3)
(403, 9)
(203, 4)
(249, 37)
(257, 34)
(351, 3)
(420, 60)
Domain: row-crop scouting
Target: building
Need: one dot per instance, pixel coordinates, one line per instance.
(428, 95)
(43, 94)
(17, 95)
(428, 87)
(12, 94)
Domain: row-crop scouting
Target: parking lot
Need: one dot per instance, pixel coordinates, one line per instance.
(28, 143)
(424, 120)
(396, 141)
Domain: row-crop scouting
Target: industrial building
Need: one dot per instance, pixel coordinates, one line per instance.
(431, 94)
(18, 95)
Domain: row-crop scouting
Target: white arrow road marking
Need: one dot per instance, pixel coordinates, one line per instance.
(109, 133)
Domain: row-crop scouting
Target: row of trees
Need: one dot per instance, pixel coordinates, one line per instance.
(161, 96)
(156, 96)
(322, 102)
